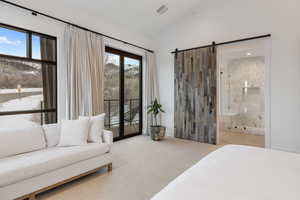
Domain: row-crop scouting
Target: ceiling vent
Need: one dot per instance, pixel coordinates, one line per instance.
(162, 9)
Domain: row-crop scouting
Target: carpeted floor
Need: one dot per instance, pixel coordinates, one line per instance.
(141, 168)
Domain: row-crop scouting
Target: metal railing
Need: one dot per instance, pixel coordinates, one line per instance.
(112, 111)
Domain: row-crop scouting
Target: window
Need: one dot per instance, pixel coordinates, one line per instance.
(123, 93)
(13, 42)
(28, 78)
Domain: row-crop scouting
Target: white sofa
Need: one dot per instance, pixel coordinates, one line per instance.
(30, 161)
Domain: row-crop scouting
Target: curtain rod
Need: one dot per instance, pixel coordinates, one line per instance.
(35, 13)
(224, 43)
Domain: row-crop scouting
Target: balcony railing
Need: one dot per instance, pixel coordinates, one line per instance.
(112, 112)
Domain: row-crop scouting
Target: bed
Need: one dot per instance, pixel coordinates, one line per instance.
(236, 172)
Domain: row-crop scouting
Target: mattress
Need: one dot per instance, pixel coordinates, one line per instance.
(236, 172)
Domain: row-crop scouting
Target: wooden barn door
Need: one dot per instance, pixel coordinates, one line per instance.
(196, 95)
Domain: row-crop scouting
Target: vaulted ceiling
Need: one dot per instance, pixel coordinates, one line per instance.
(138, 15)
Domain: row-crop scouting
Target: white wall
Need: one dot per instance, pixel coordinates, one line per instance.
(233, 19)
(23, 19)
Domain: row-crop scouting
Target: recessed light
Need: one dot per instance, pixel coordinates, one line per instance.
(162, 9)
(249, 54)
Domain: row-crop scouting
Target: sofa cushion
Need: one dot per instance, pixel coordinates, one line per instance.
(17, 141)
(28, 165)
(74, 132)
(52, 134)
(96, 127)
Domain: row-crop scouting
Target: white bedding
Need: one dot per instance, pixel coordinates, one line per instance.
(237, 172)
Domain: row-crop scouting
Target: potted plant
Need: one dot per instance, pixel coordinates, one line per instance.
(157, 131)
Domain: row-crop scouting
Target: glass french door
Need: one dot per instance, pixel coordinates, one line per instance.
(123, 93)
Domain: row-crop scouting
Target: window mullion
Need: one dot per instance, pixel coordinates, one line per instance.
(29, 45)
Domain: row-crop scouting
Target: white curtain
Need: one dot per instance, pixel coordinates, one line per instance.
(85, 66)
(151, 90)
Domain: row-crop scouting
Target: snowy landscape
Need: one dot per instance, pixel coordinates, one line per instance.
(17, 104)
(20, 89)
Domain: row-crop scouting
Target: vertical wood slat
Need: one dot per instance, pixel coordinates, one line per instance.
(195, 95)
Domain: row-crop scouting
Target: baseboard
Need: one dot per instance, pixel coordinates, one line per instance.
(285, 149)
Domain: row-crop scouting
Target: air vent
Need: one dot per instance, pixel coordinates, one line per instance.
(162, 9)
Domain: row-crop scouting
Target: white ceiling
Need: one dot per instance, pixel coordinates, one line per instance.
(138, 15)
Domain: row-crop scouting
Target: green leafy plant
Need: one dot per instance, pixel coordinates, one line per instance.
(155, 108)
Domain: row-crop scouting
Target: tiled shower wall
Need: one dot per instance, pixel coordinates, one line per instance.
(242, 95)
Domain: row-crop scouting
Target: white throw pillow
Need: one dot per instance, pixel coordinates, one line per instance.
(96, 128)
(52, 133)
(74, 132)
(17, 141)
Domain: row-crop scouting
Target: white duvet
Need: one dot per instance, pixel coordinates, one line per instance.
(237, 172)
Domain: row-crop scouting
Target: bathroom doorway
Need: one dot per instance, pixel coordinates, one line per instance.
(243, 93)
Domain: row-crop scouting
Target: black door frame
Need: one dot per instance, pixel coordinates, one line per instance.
(122, 55)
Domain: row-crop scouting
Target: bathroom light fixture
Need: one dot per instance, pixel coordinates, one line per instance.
(162, 9)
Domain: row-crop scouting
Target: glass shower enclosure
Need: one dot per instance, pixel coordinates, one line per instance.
(242, 95)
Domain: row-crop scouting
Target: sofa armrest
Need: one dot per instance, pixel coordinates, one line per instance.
(108, 137)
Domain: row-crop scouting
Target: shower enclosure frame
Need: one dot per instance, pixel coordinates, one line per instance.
(267, 97)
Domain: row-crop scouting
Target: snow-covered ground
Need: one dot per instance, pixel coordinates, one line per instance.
(20, 121)
(26, 103)
(11, 91)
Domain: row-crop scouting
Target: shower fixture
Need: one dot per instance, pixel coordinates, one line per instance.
(162, 9)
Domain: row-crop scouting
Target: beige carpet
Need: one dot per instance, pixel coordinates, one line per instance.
(141, 168)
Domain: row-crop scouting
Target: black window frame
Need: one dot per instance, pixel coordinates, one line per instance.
(29, 58)
(122, 54)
